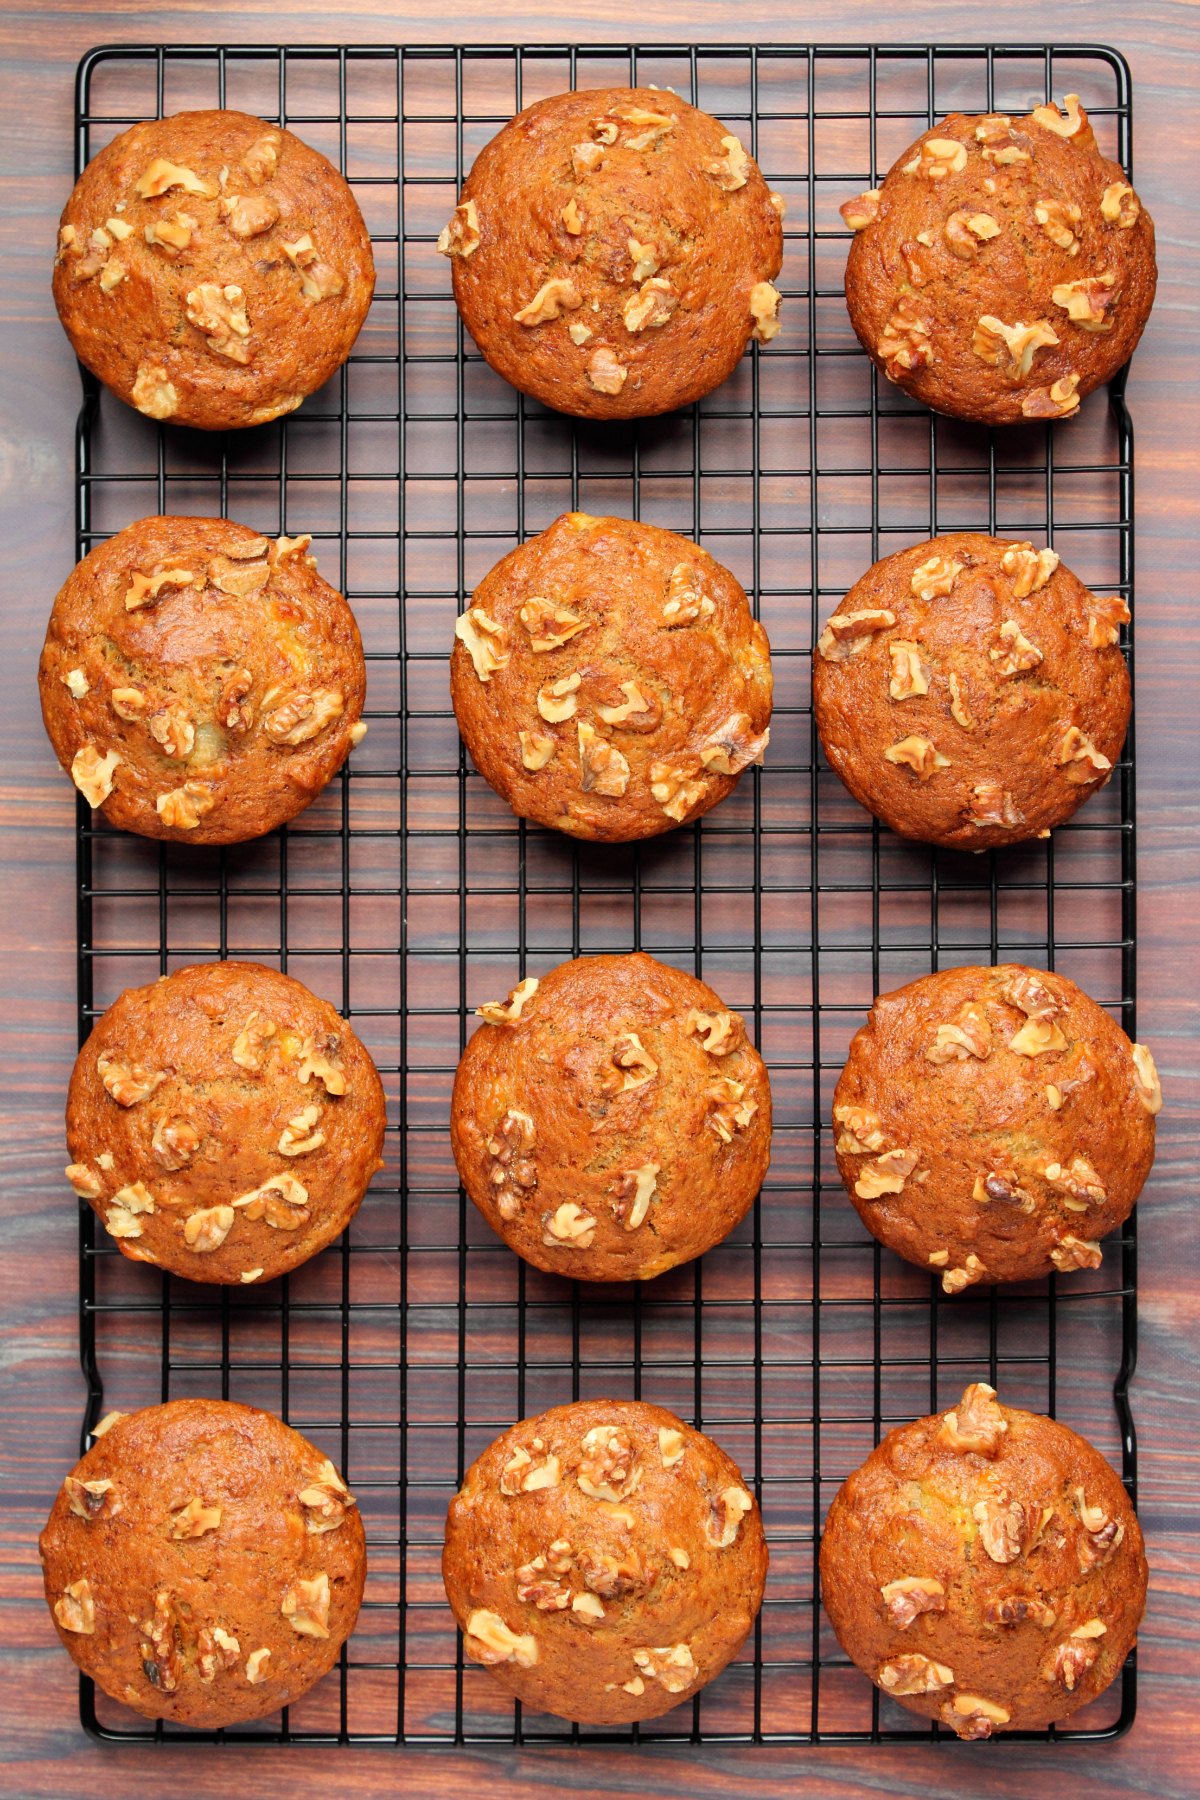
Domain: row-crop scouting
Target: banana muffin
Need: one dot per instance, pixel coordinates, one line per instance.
(201, 682)
(1004, 269)
(604, 1561)
(204, 1563)
(970, 691)
(994, 1124)
(212, 269)
(609, 680)
(614, 251)
(612, 1119)
(985, 1568)
(223, 1123)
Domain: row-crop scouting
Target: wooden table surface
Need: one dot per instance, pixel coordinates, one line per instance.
(40, 1738)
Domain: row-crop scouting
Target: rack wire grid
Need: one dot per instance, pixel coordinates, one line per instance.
(407, 893)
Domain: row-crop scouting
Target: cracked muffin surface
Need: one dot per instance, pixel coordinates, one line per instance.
(223, 1123)
(203, 1563)
(199, 681)
(1004, 269)
(614, 251)
(985, 1568)
(611, 1119)
(604, 1561)
(212, 269)
(994, 1124)
(609, 680)
(971, 692)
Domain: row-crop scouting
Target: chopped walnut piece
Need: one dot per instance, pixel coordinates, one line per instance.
(119, 1223)
(725, 1516)
(1086, 302)
(605, 372)
(976, 1423)
(644, 257)
(1001, 1187)
(1079, 757)
(965, 231)
(249, 1046)
(1016, 654)
(552, 299)
(536, 749)
(918, 754)
(86, 1184)
(651, 126)
(913, 1673)
(173, 731)
(234, 710)
(1011, 348)
(718, 1032)
(549, 624)
(1101, 1535)
(171, 235)
(586, 159)
(1036, 1037)
(486, 642)
(1002, 1527)
(1076, 1253)
(152, 393)
(514, 1172)
(735, 746)
(282, 1202)
(93, 774)
(305, 1606)
(75, 1610)
(634, 1066)
(1105, 619)
(863, 1133)
(220, 313)
(887, 1174)
(848, 634)
(184, 807)
(685, 602)
(1070, 1661)
(135, 1197)
(326, 1500)
(1077, 1179)
(671, 1665)
(571, 217)
(602, 768)
(556, 701)
(1015, 1609)
(207, 1229)
(143, 590)
(1058, 401)
(256, 1666)
(314, 1062)
(526, 1474)
(910, 676)
(88, 1499)
(244, 571)
(1145, 1080)
(303, 716)
(249, 215)
(127, 1083)
(569, 1225)
(651, 306)
(765, 300)
(1059, 219)
(971, 1717)
(161, 1656)
(1032, 997)
(608, 1469)
(461, 237)
(863, 210)
(538, 1588)
(194, 1519)
(729, 1110)
(968, 1036)
(299, 1136)
(1119, 205)
(905, 344)
(993, 805)
(1011, 153)
(632, 1193)
(937, 158)
(676, 789)
(507, 1012)
(635, 702)
(162, 176)
(1071, 125)
(216, 1649)
(106, 1424)
(670, 1446)
(318, 281)
(934, 578)
(911, 1595)
(732, 170)
(76, 683)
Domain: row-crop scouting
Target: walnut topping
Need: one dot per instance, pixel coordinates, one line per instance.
(1086, 302)
(1145, 1080)
(127, 1083)
(526, 1474)
(76, 683)
(965, 231)
(1078, 1179)
(162, 176)
(552, 299)
(1011, 348)
(911, 1595)
(220, 313)
(918, 754)
(1076, 1253)
(587, 1607)
(993, 805)
(1070, 1661)
(143, 590)
(1079, 757)
(326, 1500)
(764, 310)
(913, 1673)
(634, 702)
(905, 342)
(887, 1174)
(244, 571)
(848, 634)
(976, 1424)
(607, 1468)
(1105, 618)
(670, 1446)
(1032, 997)
(971, 1717)
(249, 1046)
(184, 807)
(461, 237)
(261, 159)
(652, 126)
(513, 1173)
(676, 789)
(506, 1012)
(216, 1649)
(248, 215)
(937, 158)
(1001, 1187)
(135, 1197)
(536, 749)
(106, 1424)
(234, 710)
(88, 1499)
(735, 747)
(863, 1132)
(934, 578)
(632, 1193)
(318, 281)
(549, 624)
(86, 1184)
(161, 1657)
(729, 1110)
(1036, 1037)
(556, 701)
(303, 716)
(955, 1280)
(171, 235)
(586, 159)
(652, 305)
(298, 1136)
(1058, 401)
(207, 1229)
(537, 1588)
(605, 372)
(685, 603)
(1011, 153)
(1049, 116)
(173, 731)
(910, 676)
(634, 1065)
(1119, 205)
(1002, 1527)
(644, 257)
(282, 1202)
(256, 1666)
(1101, 1537)
(571, 217)
(1059, 219)
(732, 170)
(175, 1142)
(194, 1519)
(671, 1665)
(152, 393)
(718, 1032)
(579, 333)
(93, 774)
(315, 1062)
(569, 1225)
(602, 768)
(725, 1516)
(863, 210)
(305, 1606)
(969, 1036)
(75, 1610)
(486, 642)
(119, 1222)
(1016, 653)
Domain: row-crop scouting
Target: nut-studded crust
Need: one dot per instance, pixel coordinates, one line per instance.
(970, 691)
(604, 1561)
(1006, 1557)
(673, 697)
(199, 681)
(223, 1123)
(595, 1131)
(613, 252)
(1015, 223)
(191, 1539)
(212, 269)
(994, 1124)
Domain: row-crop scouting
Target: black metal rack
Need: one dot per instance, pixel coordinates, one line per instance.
(408, 893)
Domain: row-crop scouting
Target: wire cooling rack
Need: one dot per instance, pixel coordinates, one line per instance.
(407, 893)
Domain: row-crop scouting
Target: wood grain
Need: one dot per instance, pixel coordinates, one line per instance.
(40, 1740)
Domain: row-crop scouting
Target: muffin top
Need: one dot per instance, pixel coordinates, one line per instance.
(613, 251)
(203, 1562)
(609, 680)
(994, 1124)
(985, 1568)
(1004, 269)
(212, 269)
(223, 1122)
(201, 682)
(970, 691)
(604, 1561)
(612, 1119)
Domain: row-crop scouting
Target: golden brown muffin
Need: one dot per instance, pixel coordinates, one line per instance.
(223, 1123)
(985, 1568)
(212, 269)
(609, 679)
(200, 682)
(203, 1563)
(1004, 269)
(994, 1124)
(970, 691)
(612, 1119)
(604, 1561)
(613, 252)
